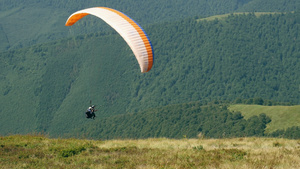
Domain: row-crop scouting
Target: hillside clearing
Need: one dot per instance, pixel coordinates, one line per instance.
(210, 18)
(282, 116)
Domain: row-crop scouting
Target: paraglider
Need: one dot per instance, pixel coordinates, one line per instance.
(90, 112)
(132, 32)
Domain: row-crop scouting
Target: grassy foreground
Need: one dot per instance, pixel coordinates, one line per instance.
(28, 151)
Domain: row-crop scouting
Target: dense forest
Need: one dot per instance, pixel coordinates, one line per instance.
(291, 133)
(178, 121)
(40, 21)
(242, 58)
(189, 120)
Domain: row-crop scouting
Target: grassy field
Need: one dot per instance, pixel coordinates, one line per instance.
(34, 151)
(282, 116)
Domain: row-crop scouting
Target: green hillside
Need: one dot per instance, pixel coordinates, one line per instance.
(4, 44)
(244, 56)
(282, 117)
(41, 79)
(28, 22)
(174, 121)
(270, 6)
(43, 21)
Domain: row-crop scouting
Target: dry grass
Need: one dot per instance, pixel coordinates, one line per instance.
(40, 152)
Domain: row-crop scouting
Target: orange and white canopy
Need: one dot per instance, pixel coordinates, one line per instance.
(131, 32)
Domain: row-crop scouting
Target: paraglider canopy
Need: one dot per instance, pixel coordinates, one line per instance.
(131, 32)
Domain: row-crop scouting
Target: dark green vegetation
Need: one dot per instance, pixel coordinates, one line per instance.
(47, 87)
(184, 121)
(291, 133)
(178, 121)
(243, 56)
(27, 22)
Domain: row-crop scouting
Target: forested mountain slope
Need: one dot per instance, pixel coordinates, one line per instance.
(191, 120)
(242, 56)
(27, 22)
(270, 6)
(176, 121)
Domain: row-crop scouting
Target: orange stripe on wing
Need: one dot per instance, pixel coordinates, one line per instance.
(74, 18)
(141, 33)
